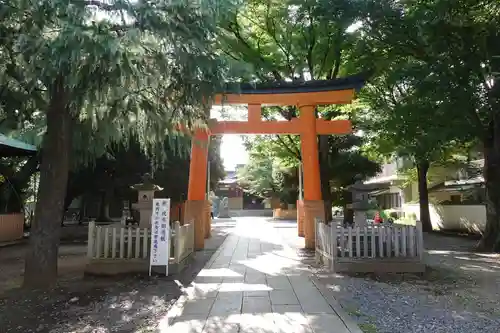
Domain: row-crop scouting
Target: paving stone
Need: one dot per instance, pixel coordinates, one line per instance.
(256, 293)
(198, 306)
(256, 305)
(314, 306)
(279, 283)
(326, 323)
(261, 323)
(204, 290)
(255, 277)
(307, 294)
(280, 297)
(301, 282)
(187, 324)
(208, 279)
(227, 304)
(233, 279)
(254, 284)
(288, 323)
(283, 309)
(220, 324)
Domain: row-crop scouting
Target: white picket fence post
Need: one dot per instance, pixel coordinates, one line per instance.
(90, 241)
(106, 242)
(333, 232)
(128, 243)
(340, 243)
(177, 244)
(317, 245)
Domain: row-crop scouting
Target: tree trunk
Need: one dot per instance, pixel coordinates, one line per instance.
(41, 257)
(490, 242)
(326, 192)
(423, 194)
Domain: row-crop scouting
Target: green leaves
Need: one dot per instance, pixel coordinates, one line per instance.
(266, 175)
(429, 92)
(295, 40)
(126, 68)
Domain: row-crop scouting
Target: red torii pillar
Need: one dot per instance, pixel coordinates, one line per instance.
(197, 208)
(307, 126)
(312, 204)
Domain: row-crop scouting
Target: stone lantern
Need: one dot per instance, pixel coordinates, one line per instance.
(145, 195)
(360, 203)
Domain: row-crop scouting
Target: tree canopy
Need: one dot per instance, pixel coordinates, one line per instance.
(452, 52)
(91, 81)
(96, 73)
(296, 41)
(270, 171)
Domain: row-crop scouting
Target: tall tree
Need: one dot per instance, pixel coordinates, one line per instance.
(456, 41)
(404, 118)
(296, 41)
(268, 172)
(99, 72)
(345, 162)
(123, 166)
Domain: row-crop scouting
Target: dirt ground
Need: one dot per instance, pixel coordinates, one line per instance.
(71, 264)
(455, 268)
(83, 304)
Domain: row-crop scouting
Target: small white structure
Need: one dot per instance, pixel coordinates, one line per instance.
(145, 195)
(224, 208)
(115, 249)
(378, 248)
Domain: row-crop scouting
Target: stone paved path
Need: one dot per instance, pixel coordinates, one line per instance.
(254, 283)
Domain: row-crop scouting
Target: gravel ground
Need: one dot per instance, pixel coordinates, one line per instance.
(91, 304)
(388, 307)
(459, 293)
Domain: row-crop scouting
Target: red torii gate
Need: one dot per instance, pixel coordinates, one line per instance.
(306, 96)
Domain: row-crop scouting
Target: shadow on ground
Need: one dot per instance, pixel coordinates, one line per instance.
(457, 293)
(257, 284)
(94, 304)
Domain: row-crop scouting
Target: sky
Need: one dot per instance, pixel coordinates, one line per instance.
(232, 150)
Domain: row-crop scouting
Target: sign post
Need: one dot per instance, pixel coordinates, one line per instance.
(160, 234)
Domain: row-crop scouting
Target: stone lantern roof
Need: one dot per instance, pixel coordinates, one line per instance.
(146, 185)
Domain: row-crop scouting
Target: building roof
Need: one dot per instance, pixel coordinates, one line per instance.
(228, 181)
(350, 82)
(11, 147)
(457, 186)
(382, 180)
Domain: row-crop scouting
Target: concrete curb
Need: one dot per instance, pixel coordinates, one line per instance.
(332, 301)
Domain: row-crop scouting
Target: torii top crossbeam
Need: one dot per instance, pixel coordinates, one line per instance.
(309, 93)
(306, 96)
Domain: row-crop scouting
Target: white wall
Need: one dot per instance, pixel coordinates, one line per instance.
(471, 218)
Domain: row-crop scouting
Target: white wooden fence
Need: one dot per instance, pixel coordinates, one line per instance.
(381, 242)
(122, 242)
